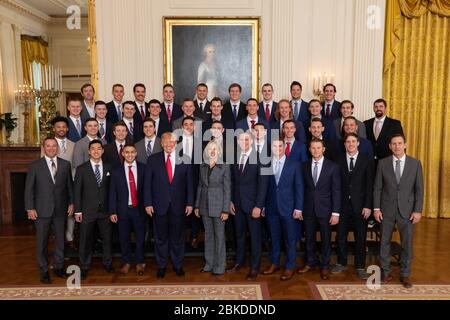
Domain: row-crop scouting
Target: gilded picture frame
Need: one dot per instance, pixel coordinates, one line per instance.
(216, 51)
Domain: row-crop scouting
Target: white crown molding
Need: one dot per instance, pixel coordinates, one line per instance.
(24, 8)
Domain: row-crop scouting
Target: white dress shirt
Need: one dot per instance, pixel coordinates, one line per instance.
(100, 168)
(237, 104)
(118, 106)
(139, 106)
(134, 170)
(157, 121)
(204, 104)
(118, 146)
(74, 120)
(127, 122)
(91, 110)
(188, 143)
(260, 146)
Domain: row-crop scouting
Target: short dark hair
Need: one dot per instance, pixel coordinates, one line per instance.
(235, 85)
(351, 118)
(329, 85)
(260, 124)
(252, 99)
(168, 85)
(217, 121)
(154, 101)
(201, 84)
(117, 85)
(397, 135)
(187, 100)
(73, 99)
(296, 83)
(380, 101)
(137, 85)
(129, 144)
(317, 140)
(90, 120)
(87, 85)
(186, 119)
(348, 101)
(149, 120)
(314, 100)
(315, 119)
(128, 102)
(267, 85)
(119, 124)
(351, 134)
(95, 141)
(59, 119)
(216, 99)
(288, 121)
(99, 102)
(49, 138)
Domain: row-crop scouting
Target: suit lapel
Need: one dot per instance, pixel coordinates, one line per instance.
(406, 170)
(47, 170)
(384, 128)
(324, 167)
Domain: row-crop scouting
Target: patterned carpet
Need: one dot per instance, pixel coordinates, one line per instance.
(335, 291)
(204, 291)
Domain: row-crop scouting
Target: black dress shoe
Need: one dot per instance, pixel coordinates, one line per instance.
(235, 268)
(45, 278)
(252, 275)
(161, 273)
(60, 273)
(406, 282)
(83, 274)
(110, 269)
(179, 272)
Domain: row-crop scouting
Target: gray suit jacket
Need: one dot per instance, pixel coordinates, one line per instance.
(142, 149)
(214, 192)
(46, 197)
(361, 128)
(407, 196)
(81, 152)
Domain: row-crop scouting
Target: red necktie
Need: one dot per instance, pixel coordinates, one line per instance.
(328, 112)
(288, 149)
(169, 112)
(120, 154)
(169, 168)
(267, 112)
(253, 122)
(142, 113)
(132, 183)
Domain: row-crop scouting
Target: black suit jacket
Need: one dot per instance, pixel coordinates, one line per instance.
(176, 113)
(91, 199)
(137, 114)
(111, 155)
(227, 113)
(108, 135)
(111, 115)
(381, 146)
(46, 197)
(203, 114)
(357, 186)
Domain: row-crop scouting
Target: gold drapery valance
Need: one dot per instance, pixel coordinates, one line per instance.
(415, 85)
(395, 9)
(33, 49)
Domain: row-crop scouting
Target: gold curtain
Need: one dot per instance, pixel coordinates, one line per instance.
(33, 49)
(416, 83)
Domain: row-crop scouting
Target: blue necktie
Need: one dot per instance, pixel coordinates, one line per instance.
(97, 174)
(235, 111)
(149, 148)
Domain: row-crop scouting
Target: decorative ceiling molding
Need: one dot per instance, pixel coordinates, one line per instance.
(24, 8)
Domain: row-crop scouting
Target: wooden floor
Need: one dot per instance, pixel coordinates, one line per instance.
(431, 264)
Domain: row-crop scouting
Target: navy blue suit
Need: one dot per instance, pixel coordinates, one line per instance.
(328, 134)
(169, 202)
(262, 111)
(335, 110)
(299, 153)
(227, 113)
(281, 200)
(303, 114)
(243, 124)
(320, 201)
(299, 133)
(128, 217)
(249, 191)
(73, 135)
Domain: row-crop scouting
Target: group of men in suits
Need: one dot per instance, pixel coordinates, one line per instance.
(320, 173)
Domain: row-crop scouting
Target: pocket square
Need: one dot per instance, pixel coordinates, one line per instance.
(108, 174)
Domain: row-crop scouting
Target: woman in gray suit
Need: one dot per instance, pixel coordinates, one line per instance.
(212, 204)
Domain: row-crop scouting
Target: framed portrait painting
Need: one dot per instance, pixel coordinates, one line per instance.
(214, 51)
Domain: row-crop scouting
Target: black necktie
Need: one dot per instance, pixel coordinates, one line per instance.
(352, 165)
